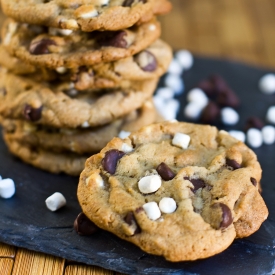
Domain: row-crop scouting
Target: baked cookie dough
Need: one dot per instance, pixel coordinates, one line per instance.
(179, 190)
(47, 47)
(21, 98)
(81, 141)
(85, 15)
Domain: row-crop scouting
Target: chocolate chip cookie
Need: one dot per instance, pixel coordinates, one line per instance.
(81, 141)
(85, 15)
(52, 48)
(179, 190)
(21, 98)
(69, 163)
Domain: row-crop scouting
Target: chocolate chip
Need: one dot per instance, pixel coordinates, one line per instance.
(227, 98)
(146, 61)
(32, 114)
(253, 122)
(83, 226)
(198, 183)
(253, 181)
(41, 46)
(211, 113)
(207, 87)
(226, 215)
(110, 160)
(218, 83)
(128, 3)
(233, 163)
(131, 220)
(165, 172)
(139, 210)
(113, 39)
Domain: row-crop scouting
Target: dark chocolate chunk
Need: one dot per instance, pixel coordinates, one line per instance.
(131, 220)
(32, 114)
(227, 98)
(253, 181)
(110, 160)
(211, 113)
(113, 39)
(83, 226)
(128, 3)
(198, 183)
(253, 122)
(41, 46)
(165, 172)
(233, 163)
(226, 216)
(146, 61)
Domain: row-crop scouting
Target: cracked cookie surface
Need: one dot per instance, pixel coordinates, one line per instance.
(179, 190)
(52, 48)
(85, 15)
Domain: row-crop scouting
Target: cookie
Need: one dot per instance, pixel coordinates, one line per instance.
(179, 190)
(148, 64)
(69, 163)
(85, 15)
(46, 47)
(81, 141)
(21, 98)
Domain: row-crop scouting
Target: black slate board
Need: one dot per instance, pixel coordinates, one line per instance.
(26, 222)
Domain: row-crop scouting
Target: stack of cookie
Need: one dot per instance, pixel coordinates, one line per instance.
(77, 73)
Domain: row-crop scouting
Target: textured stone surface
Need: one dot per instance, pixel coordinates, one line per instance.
(26, 222)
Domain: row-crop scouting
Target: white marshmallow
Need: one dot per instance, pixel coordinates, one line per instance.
(198, 96)
(268, 133)
(229, 116)
(192, 110)
(185, 58)
(152, 27)
(124, 134)
(168, 108)
(254, 138)
(126, 148)
(61, 70)
(158, 102)
(165, 93)
(181, 140)
(55, 201)
(239, 135)
(270, 116)
(175, 67)
(152, 210)
(175, 83)
(7, 188)
(85, 124)
(97, 179)
(267, 84)
(149, 184)
(167, 205)
(87, 15)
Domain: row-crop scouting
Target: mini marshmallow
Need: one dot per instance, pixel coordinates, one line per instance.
(268, 133)
(267, 84)
(181, 140)
(87, 14)
(229, 116)
(55, 201)
(152, 210)
(239, 135)
(185, 58)
(254, 138)
(175, 83)
(7, 188)
(168, 108)
(152, 27)
(85, 124)
(61, 70)
(159, 102)
(167, 205)
(175, 67)
(198, 96)
(149, 184)
(124, 134)
(126, 148)
(270, 116)
(192, 110)
(165, 93)
(97, 179)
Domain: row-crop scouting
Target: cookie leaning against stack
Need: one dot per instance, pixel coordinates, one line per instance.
(76, 73)
(179, 190)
